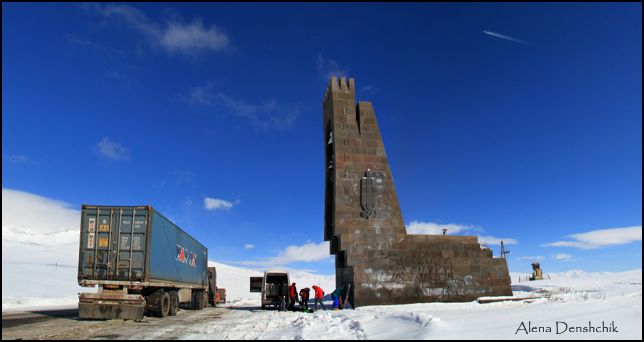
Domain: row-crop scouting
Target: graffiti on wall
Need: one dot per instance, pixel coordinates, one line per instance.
(428, 276)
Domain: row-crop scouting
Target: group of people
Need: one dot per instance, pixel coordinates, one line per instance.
(291, 294)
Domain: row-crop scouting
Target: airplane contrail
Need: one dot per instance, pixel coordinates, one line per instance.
(502, 36)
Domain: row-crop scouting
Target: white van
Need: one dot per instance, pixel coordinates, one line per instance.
(268, 284)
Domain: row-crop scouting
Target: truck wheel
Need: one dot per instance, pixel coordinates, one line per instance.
(153, 302)
(174, 303)
(164, 304)
(197, 300)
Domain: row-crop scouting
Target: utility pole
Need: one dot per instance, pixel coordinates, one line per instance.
(504, 251)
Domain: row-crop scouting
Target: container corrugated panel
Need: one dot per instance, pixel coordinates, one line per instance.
(130, 243)
(175, 255)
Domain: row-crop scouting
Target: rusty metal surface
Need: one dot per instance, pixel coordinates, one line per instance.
(153, 283)
(110, 311)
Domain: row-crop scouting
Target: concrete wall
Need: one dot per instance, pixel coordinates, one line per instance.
(365, 227)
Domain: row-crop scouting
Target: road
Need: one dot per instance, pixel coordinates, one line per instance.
(64, 324)
(16, 319)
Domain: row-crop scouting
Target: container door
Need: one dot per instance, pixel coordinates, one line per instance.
(96, 242)
(113, 243)
(256, 284)
(132, 244)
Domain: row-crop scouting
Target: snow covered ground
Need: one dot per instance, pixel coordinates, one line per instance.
(573, 298)
(32, 286)
(32, 246)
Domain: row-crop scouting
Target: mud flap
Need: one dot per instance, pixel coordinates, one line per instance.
(106, 305)
(110, 311)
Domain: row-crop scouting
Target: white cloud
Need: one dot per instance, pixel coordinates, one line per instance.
(493, 240)
(266, 115)
(193, 37)
(328, 68)
(562, 257)
(115, 75)
(186, 204)
(161, 184)
(183, 176)
(502, 36)
(601, 238)
(431, 228)
(532, 258)
(20, 159)
(112, 150)
(309, 252)
(84, 42)
(216, 204)
(49, 237)
(173, 36)
(249, 246)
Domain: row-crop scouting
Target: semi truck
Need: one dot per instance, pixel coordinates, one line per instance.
(141, 262)
(216, 295)
(268, 285)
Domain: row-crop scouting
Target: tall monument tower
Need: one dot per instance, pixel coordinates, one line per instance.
(365, 227)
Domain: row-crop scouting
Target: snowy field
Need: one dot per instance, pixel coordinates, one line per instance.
(33, 245)
(574, 298)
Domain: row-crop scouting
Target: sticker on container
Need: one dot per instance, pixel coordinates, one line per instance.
(138, 224)
(181, 254)
(92, 224)
(125, 242)
(104, 228)
(90, 240)
(103, 242)
(136, 243)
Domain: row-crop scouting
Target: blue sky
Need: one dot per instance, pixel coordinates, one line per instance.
(513, 121)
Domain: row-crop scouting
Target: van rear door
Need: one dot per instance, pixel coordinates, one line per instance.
(256, 284)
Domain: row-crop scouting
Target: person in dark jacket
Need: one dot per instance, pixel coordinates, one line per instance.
(281, 294)
(292, 296)
(304, 298)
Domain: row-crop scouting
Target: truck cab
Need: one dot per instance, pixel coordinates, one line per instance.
(268, 285)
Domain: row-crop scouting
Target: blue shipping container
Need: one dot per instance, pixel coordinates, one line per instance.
(137, 244)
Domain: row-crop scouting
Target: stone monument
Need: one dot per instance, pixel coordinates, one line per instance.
(364, 225)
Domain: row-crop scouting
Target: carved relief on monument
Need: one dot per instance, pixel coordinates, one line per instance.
(368, 195)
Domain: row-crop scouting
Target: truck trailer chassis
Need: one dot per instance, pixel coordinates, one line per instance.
(131, 300)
